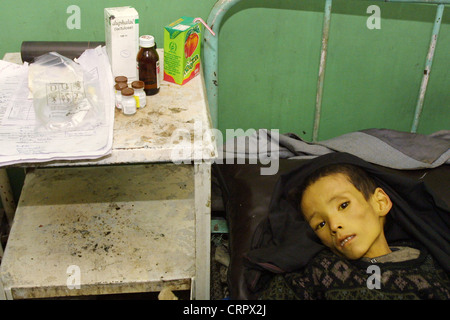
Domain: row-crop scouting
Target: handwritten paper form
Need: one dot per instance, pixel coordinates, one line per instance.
(21, 142)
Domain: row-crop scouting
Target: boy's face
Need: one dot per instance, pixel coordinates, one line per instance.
(344, 220)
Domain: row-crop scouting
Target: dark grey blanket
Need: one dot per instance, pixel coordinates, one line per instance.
(284, 242)
(385, 147)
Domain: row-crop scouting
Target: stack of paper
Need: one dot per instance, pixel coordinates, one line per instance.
(21, 142)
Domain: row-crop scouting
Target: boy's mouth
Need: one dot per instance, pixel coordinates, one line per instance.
(342, 242)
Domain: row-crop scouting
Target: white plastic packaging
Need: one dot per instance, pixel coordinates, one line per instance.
(65, 95)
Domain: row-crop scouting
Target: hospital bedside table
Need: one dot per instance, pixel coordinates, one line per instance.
(137, 220)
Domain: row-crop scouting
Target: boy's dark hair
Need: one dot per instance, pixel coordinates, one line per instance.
(356, 175)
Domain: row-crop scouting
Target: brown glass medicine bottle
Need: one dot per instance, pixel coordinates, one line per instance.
(148, 64)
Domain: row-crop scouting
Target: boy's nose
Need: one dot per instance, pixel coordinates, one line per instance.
(334, 227)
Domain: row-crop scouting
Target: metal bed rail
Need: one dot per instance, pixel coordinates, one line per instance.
(211, 57)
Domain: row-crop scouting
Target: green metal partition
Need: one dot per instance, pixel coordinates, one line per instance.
(211, 44)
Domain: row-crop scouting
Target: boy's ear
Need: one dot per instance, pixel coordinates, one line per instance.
(383, 203)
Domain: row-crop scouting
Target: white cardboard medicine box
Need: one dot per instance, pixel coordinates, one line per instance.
(122, 40)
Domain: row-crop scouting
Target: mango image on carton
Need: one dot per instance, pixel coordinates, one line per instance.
(182, 50)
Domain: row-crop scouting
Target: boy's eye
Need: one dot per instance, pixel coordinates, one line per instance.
(344, 205)
(320, 225)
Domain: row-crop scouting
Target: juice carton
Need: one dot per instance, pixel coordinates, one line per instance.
(182, 50)
(122, 40)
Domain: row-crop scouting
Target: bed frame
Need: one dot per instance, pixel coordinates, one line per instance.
(211, 57)
(246, 193)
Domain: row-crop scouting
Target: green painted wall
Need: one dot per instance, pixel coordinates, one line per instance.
(45, 20)
(269, 56)
(269, 59)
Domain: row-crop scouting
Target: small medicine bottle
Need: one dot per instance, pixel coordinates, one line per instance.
(138, 87)
(148, 64)
(118, 92)
(128, 102)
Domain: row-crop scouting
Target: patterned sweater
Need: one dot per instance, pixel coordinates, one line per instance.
(330, 277)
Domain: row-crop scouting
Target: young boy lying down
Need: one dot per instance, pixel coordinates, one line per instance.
(347, 211)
